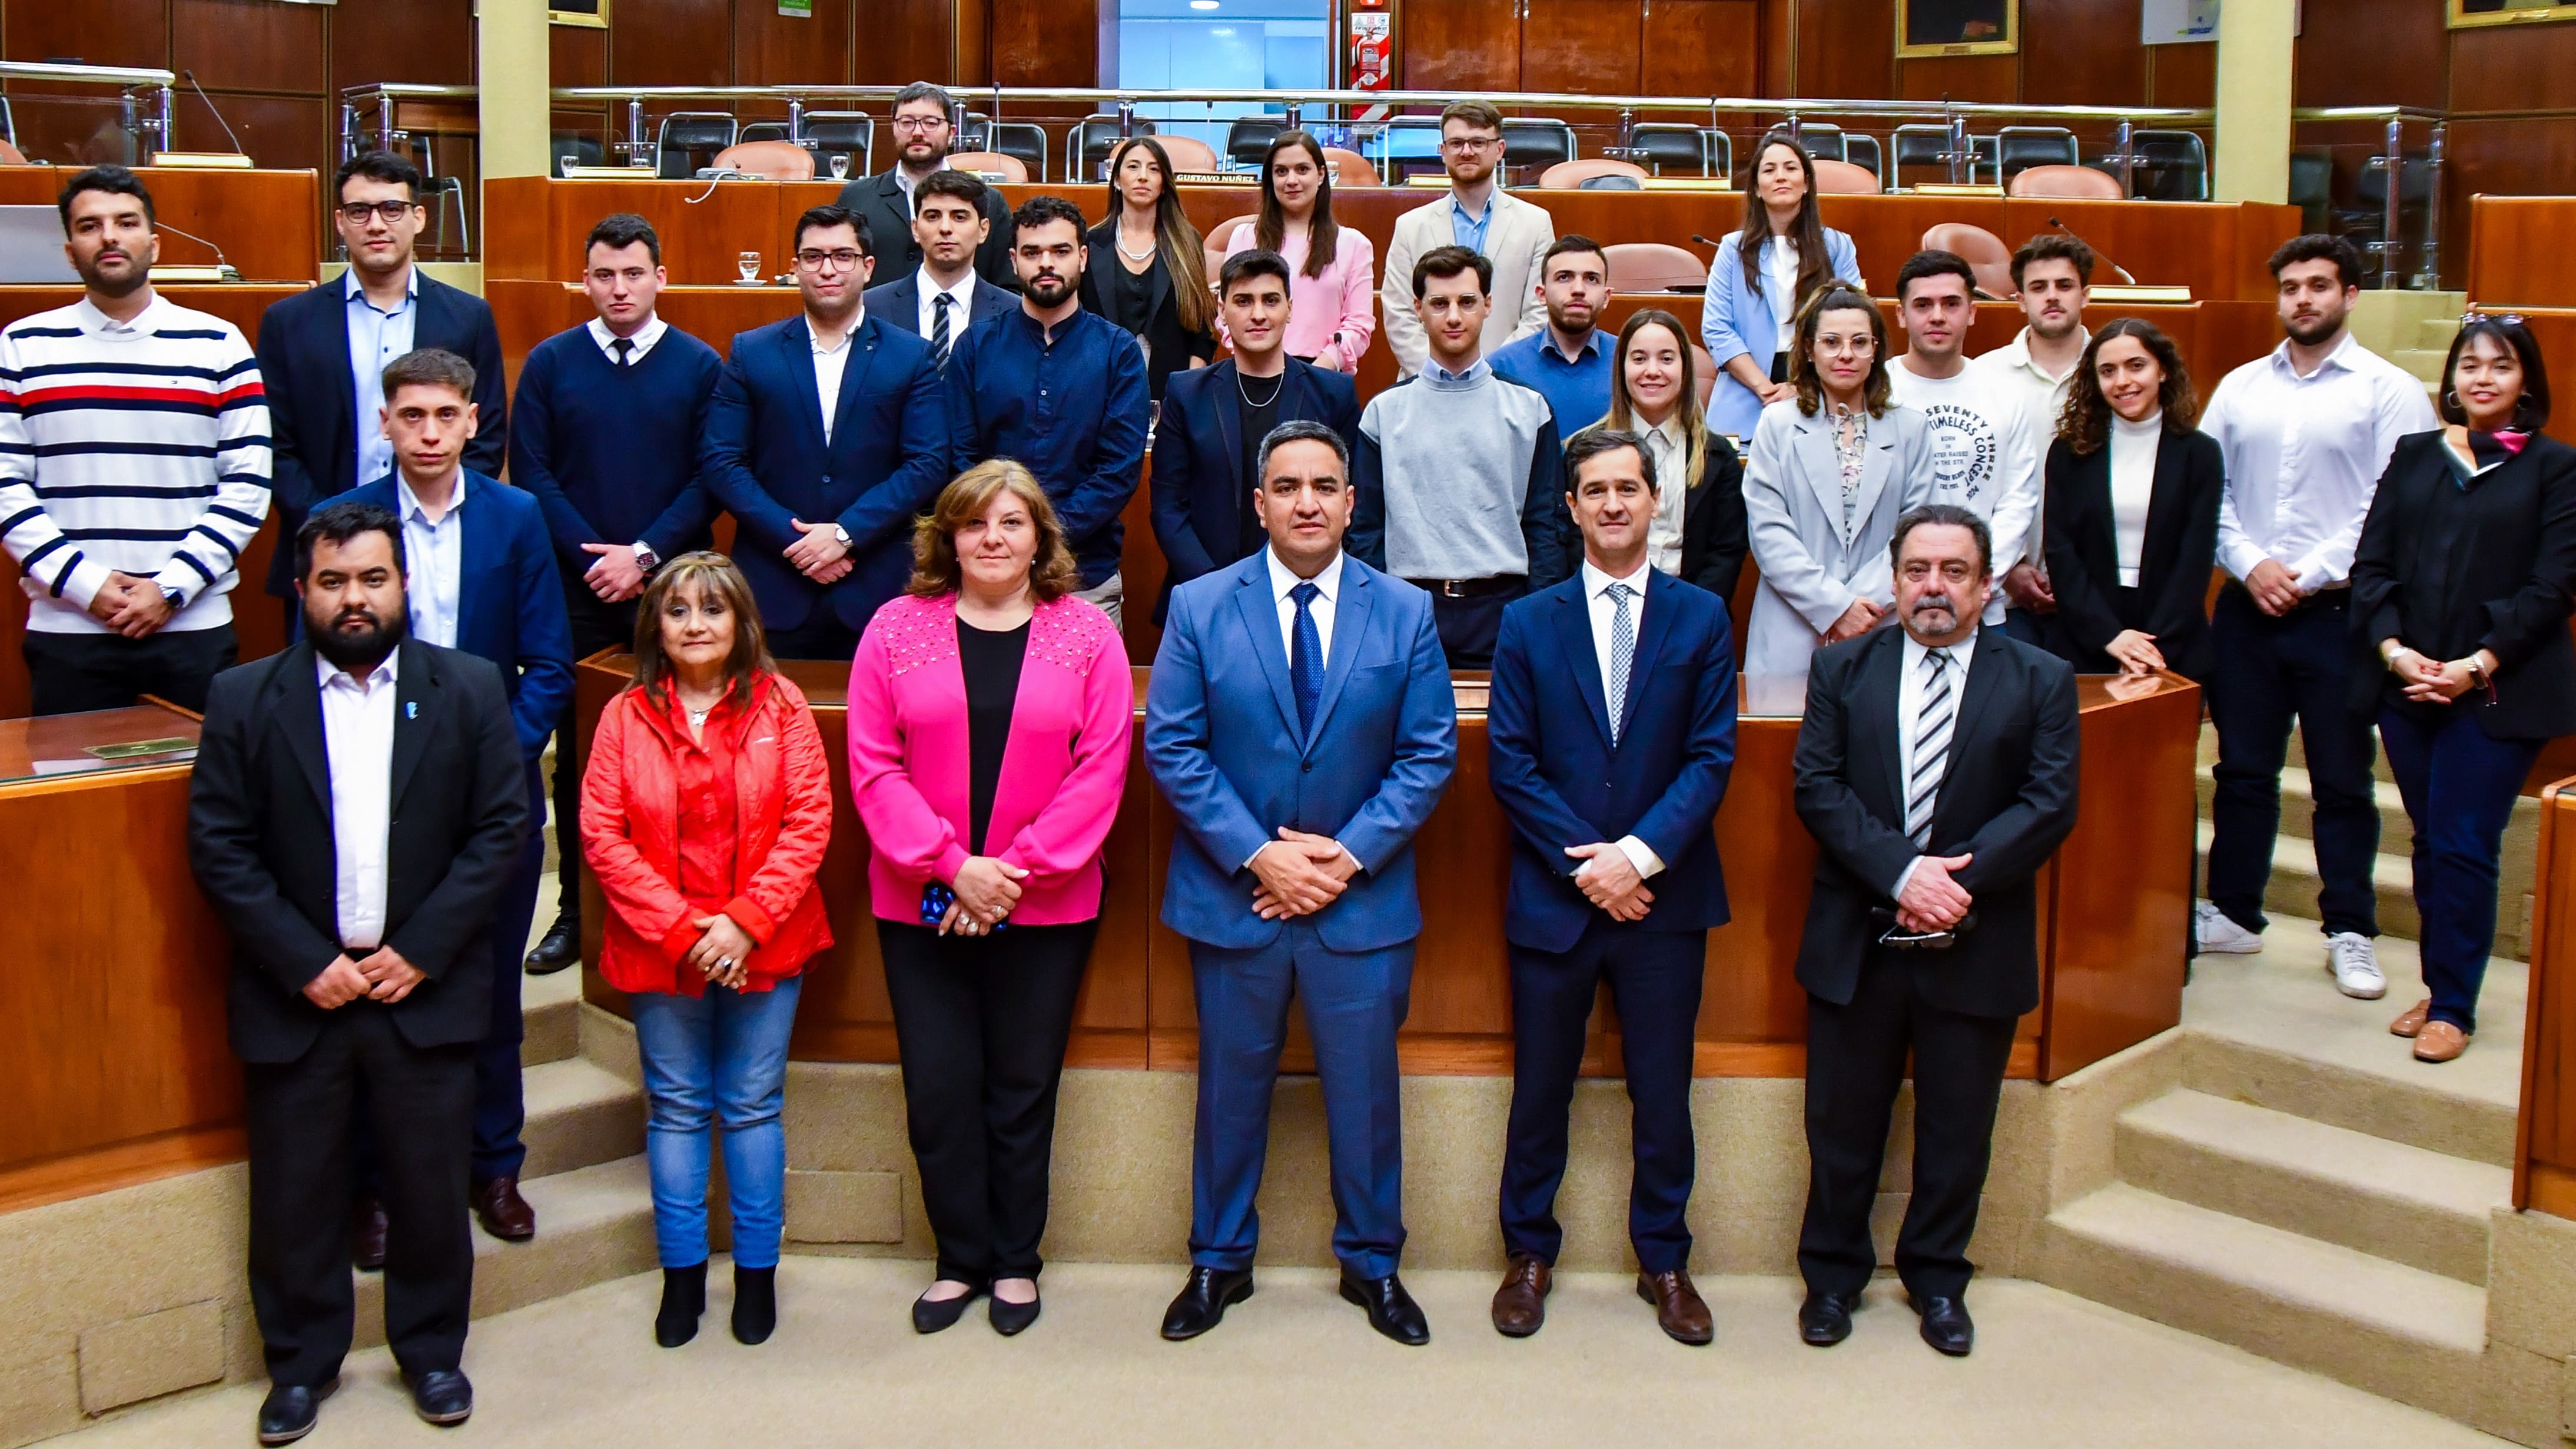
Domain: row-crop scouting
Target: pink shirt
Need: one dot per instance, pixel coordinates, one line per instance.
(1343, 299)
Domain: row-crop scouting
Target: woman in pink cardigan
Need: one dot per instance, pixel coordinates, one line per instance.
(1332, 292)
(989, 715)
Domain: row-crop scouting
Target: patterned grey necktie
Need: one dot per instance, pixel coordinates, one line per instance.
(1931, 747)
(939, 329)
(1623, 651)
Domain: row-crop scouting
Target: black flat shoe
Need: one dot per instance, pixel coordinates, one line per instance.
(930, 1315)
(1009, 1318)
(684, 1298)
(755, 1304)
(1946, 1324)
(1391, 1310)
(1203, 1301)
(558, 948)
(441, 1397)
(1825, 1318)
(290, 1411)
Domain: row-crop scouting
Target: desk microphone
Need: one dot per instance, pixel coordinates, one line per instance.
(1704, 241)
(230, 274)
(191, 77)
(2097, 251)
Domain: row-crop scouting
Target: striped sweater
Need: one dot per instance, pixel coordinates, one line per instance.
(140, 447)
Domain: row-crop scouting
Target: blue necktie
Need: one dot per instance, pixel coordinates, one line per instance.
(1306, 661)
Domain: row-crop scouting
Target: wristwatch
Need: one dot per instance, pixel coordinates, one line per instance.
(170, 594)
(840, 535)
(645, 558)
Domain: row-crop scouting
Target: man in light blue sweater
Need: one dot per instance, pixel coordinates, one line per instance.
(1458, 470)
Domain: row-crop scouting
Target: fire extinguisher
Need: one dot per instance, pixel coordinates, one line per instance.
(1372, 66)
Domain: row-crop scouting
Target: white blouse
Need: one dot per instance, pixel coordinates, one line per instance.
(2133, 486)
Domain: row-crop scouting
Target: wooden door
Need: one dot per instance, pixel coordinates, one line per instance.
(1580, 47)
(1466, 46)
(1701, 48)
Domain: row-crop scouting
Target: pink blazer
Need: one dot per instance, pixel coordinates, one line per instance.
(1063, 771)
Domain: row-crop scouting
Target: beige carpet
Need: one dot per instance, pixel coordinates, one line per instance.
(1296, 1366)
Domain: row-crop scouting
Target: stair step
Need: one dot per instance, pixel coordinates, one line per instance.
(2396, 832)
(553, 1032)
(593, 1225)
(2423, 364)
(2434, 334)
(2384, 1198)
(2317, 1055)
(579, 1115)
(2394, 1330)
(2292, 891)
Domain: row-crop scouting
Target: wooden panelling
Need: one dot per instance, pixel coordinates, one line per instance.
(905, 40)
(1581, 47)
(2520, 68)
(2371, 53)
(430, 42)
(2518, 252)
(1701, 48)
(280, 133)
(2545, 1132)
(1995, 78)
(1047, 45)
(1461, 45)
(770, 49)
(2082, 52)
(1778, 79)
(1845, 47)
(253, 45)
(2530, 157)
(92, 32)
(2182, 75)
(671, 43)
(577, 55)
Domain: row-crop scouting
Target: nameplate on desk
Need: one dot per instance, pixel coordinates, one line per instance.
(1218, 178)
(1688, 183)
(609, 173)
(1956, 188)
(138, 749)
(202, 160)
(2140, 294)
(165, 275)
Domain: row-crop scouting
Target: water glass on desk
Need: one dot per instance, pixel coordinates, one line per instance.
(748, 264)
(840, 165)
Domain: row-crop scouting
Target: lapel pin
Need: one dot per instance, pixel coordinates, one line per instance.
(411, 709)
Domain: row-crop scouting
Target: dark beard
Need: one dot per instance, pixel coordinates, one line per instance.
(1050, 291)
(356, 653)
(133, 282)
(2313, 333)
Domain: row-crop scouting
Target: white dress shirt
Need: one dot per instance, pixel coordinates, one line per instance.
(376, 337)
(1780, 262)
(434, 562)
(644, 338)
(829, 364)
(1670, 452)
(961, 297)
(358, 742)
(1283, 581)
(2304, 455)
(2133, 488)
(1604, 612)
(1909, 708)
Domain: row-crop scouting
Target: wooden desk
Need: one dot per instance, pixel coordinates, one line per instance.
(269, 223)
(2544, 1160)
(2518, 251)
(2117, 903)
(113, 1058)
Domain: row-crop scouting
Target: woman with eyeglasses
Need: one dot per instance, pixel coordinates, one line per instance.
(1764, 272)
(1148, 266)
(1332, 286)
(2461, 589)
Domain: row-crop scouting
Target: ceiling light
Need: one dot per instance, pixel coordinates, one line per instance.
(1202, 4)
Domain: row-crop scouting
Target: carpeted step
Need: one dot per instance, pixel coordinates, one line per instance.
(2292, 890)
(2417, 1107)
(2396, 832)
(579, 1115)
(593, 1225)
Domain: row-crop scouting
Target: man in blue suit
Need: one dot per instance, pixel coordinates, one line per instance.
(828, 433)
(1610, 782)
(938, 300)
(1301, 723)
(1214, 419)
(480, 577)
(323, 351)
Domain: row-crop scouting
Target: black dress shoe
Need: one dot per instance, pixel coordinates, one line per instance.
(1391, 1310)
(441, 1396)
(930, 1315)
(289, 1411)
(1009, 1318)
(1825, 1318)
(684, 1298)
(1204, 1299)
(560, 947)
(1946, 1324)
(367, 1235)
(755, 1304)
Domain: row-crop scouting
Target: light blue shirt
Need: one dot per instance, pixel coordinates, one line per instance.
(434, 560)
(376, 337)
(1432, 369)
(1469, 231)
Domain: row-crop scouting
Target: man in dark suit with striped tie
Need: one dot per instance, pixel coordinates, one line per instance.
(1936, 767)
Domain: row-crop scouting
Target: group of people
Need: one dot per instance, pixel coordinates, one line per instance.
(926, 475)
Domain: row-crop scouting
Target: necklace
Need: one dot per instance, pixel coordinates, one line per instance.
(1276, 385)
(1146, 255)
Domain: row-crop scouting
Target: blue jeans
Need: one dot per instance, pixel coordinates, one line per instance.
(721, 1057)
(2459, 786)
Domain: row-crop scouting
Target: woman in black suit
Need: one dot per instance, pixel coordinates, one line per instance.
(2132, 510)
(2461, 588)
(1147, 269)
(1698, 533)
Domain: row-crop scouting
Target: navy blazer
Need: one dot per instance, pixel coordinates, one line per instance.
(879, 200)
(510, 607)
(1199, 492)
(1222, 741)
(765, 460)
(313, 397)
(1562, 783)
(899, 303)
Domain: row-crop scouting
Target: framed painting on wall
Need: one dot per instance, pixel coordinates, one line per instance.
(2508, 12)
(1957, 27)
(589, 14)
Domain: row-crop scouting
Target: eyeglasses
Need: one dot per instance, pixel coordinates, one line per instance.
(2510, 319)
(356, 212)
(918, 124)
(1470, 143)
(816, 260)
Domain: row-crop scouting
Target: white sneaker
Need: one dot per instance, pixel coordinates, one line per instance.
(2219, 936)
(2355, 964)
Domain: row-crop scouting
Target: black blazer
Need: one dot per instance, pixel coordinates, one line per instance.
(1714, 534)
(2181, 547)
(1197, 489)
(2451, 570)
(259, 839)
(2008, 800)
(880, 199)
(899, 303)
(313, 398)
(1169, 346)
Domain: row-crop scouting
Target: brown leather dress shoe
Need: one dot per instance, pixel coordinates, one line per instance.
(1679, 1310)
(2440, 1041)
(2411, 1020)
(367, 1235)
(503, 1213)
(1520, 1305)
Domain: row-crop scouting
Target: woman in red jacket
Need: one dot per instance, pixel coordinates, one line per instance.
(705, 810)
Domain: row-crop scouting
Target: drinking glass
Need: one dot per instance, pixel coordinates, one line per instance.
(840, 165)
(749, 265)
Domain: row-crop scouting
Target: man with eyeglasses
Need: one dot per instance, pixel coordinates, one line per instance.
(923, 136)
(826, 435)
(323, 353)
(1475, 213)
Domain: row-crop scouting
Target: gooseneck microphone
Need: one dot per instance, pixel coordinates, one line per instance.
(2097, 251)
(230, 274)
(190, 77)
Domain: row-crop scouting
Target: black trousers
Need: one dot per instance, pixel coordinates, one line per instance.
(981, 1023)
(595, 626)
(821, 636)
(1468, 627)
(421, 1103)
(72, 673)
(1855, 1062)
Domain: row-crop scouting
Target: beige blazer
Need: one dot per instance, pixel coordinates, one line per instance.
(1515, 239)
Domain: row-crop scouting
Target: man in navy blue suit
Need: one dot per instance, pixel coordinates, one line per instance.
(1214, 419)
(1301, 723)
(938, 300)
(1611, 784)
(479, 577)
(323, 352)
(828, 433)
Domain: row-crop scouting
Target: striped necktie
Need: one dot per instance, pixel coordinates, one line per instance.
(1623, 653)
(939, 329)
(1931, 747)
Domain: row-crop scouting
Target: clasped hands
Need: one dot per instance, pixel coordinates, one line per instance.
(1859, 619)
(2431, 681)
(1931, 900)
(1609, 879)
(1300, 874)
(819, 555)
(986, 891)
(133, 607)
(383, 975)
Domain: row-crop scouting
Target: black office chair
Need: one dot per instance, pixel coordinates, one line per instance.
(2018, 148)
(1823, 141)
(1087, 146)
(1023, 141)
(841, 133)
(1530, 141)
(2312, 188)
(576, 151)
(689, 140)
(761, 131)
(2365, 221)
(1921, 146)
(1670, 149)
(2170, 165)
(1721, 151)
(1863, 151)
(1248, 140)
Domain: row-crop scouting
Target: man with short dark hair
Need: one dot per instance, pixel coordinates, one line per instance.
(126, 519)
(1459, 472)
(1478, 214)
(323, 351)
(941, 298)
(357, 807)
(2307, 430)
(609, 416)
(1936, 768)
(825, 437)
(1214, 419)
(1569, 361)
(1980, 435)
(2053, 273)
(1062, 390)
(1612, 731)
(924, 127)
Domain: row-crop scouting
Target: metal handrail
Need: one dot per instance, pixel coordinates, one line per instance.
(132, 78)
